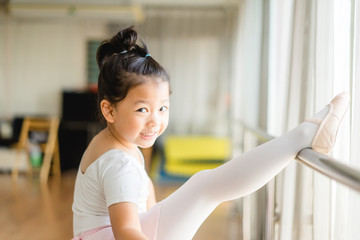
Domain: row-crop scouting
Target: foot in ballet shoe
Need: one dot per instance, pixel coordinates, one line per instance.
(325, 135)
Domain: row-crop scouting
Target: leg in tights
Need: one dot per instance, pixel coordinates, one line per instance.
(182, 213)
(179, 216)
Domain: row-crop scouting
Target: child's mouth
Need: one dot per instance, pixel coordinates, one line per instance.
(148, 135)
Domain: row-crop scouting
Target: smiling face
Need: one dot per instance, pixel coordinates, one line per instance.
(142, 116)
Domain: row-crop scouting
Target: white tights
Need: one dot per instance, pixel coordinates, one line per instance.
(180, 215)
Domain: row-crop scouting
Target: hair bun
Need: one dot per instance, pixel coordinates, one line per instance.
(123, 41)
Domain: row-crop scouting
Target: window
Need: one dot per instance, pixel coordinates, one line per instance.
(92, 66)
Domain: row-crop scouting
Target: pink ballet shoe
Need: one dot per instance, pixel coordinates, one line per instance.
(325, 135)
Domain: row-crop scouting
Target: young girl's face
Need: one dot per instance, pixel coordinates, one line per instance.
(143, 115)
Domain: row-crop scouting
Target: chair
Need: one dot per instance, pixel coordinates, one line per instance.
(49, 149)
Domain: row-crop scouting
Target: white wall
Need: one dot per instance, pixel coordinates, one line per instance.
(40, 58)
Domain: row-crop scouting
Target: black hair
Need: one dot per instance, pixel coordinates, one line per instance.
(124, 63)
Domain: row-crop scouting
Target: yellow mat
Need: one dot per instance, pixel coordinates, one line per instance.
(186, 155)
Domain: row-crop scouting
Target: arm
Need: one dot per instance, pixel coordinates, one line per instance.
(151, 199)
(125, 221)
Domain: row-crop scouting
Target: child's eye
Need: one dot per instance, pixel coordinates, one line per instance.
(163, 109)
(142, 110)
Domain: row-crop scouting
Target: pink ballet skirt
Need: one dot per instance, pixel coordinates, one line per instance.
(149, 224)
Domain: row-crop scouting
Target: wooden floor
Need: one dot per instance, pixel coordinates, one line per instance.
(32, 211)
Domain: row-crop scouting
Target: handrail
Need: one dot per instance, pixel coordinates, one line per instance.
(323, 164)
(330, 167)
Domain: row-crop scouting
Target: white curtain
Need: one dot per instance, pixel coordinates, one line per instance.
(321, 64)
(246, 82)
(317, 207)
(313, 55)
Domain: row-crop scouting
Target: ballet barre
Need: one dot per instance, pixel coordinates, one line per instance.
(330, 167)
(324, 164)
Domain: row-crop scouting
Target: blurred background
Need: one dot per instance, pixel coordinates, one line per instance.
(235, 65)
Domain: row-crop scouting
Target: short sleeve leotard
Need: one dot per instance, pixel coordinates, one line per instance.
(114, 177)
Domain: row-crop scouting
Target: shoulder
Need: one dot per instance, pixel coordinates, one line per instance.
(114, 160)
(121, 177)
(116, 165)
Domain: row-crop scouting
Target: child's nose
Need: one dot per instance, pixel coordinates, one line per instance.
(154, 120)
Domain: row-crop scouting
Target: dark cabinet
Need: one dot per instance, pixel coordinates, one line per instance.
(79, 124)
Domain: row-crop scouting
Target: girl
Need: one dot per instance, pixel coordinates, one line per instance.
(114, 198)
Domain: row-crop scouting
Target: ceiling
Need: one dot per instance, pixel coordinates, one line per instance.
(107, 9)
(164, 3)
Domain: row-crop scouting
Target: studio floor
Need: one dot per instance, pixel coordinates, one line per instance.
(32, 211)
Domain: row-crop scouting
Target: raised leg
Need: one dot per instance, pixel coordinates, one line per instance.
(181, 214)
